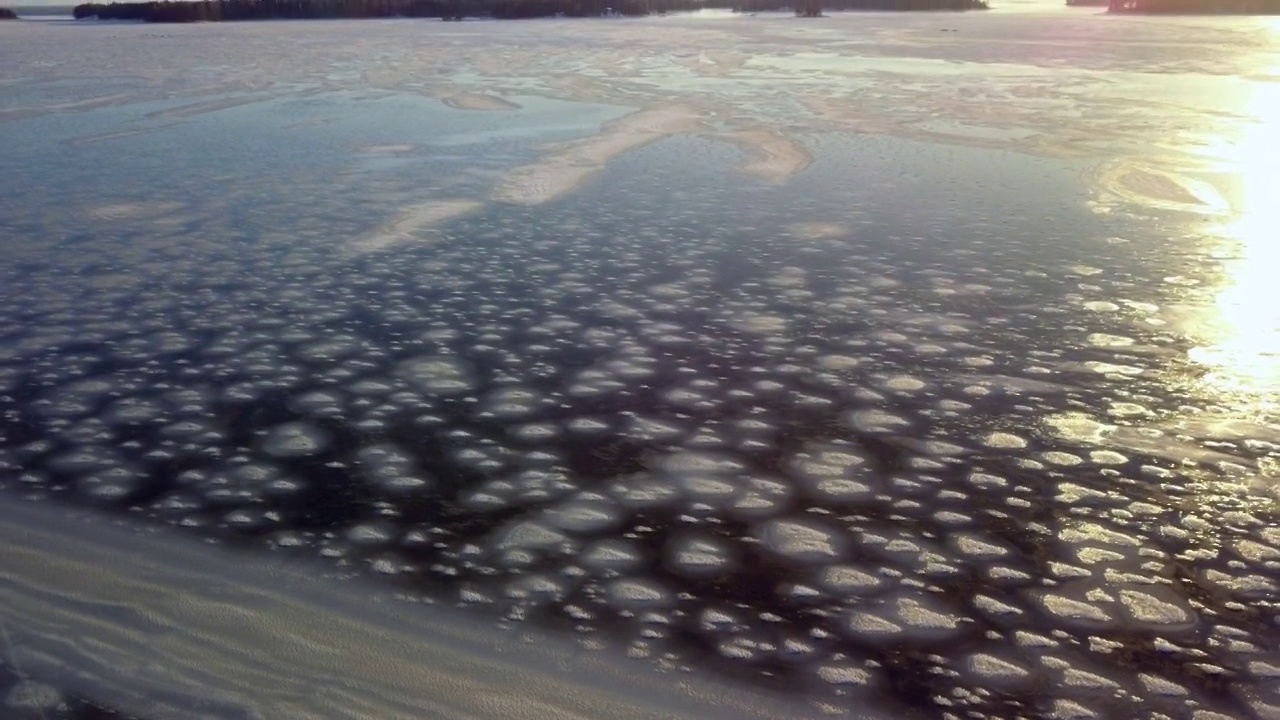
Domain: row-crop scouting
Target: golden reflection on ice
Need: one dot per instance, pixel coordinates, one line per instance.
(1243, 351)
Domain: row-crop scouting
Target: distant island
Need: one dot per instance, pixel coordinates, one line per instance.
(224, 10)
(7, 14)
(1196, 7)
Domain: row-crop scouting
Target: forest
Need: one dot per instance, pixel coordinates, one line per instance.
(221, 10)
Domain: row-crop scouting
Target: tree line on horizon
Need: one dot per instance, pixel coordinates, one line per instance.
(7, 14)
(224, 10)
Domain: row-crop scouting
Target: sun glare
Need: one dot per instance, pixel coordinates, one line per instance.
(1244, 356)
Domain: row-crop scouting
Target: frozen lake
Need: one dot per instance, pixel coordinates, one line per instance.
(876, 365)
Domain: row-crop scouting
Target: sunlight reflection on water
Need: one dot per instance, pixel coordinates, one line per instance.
(1243, 356)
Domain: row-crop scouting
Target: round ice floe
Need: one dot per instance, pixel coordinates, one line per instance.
(441, 333)
(761, 323)
(644, 491)
(8, 376)
(539, 484)
(111, 484)
(90, 431)
(1005, 576)
(707, 438)
(132, 411)
(796, 649)
(868, 626)
(996, 610)
(925, 616)
(719, 620)
(587, 513)
(1256, 552)
(704, 463)
(907, 617)
(283, 486)
(988, 670)
(296, 439)
(746, 647)
(845, 674)
(839, 363)
(251, 475)
(76, 398)
(802, 541)
(1157, 607)
(1082, 613)
(1058, 457)
(632, 369)
(876, 421)
(835, 474)
(330, 349)
(190, 400)
(761, 498)
(978, 547)
(1094, 532)
(534, 433)
(430, 420)
(593, 384)
(84, 459)
(1003, 441)
(249, 519)
(390, 469)
(697, 556)
(491, 495)
(509, 403)
(529, 535)
(753, 429)
(845, 580)
(438, 375)
(588, 426)
(1159, 686)
(611, 556)
(164, 343)
(1107, 457)
(638, 594)
(690, 399)
(536, 590)
(905, 384)
(712, 490)
(1077, 681)
(187, 429)
(645, 429)
(371, 533)
(483, 458)
(1063, 709)
(766, 387)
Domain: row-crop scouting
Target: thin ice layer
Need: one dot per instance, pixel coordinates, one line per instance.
(164, 627)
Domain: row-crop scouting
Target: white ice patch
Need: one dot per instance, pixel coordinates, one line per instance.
(297, 439)
(802, 541)
(693, 556)
(585, 514)
(438, 375)
(877, 422)
(639, 594)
